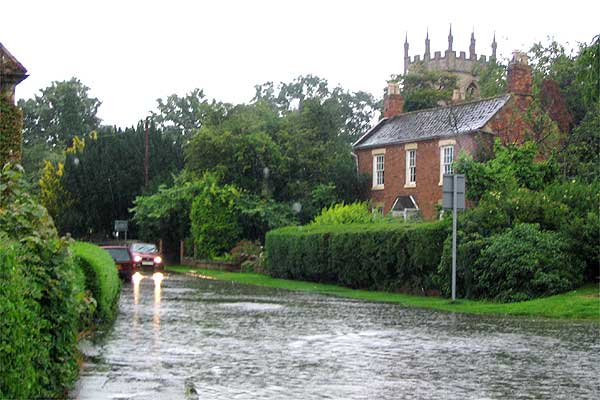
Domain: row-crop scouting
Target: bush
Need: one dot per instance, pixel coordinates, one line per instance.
(370, 256)
(214, 218)
(355, 213)
(101, 277)
(525, 262)
(39, 301)
(23, 345)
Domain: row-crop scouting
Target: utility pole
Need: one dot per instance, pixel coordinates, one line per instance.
(146, 153)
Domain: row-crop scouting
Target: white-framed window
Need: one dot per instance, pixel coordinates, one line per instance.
(446, 160)
(378, 170)
(411, 167)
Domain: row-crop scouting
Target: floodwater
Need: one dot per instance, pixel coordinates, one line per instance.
(190, 338)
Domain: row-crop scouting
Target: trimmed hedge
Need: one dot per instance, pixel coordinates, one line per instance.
(101, 277)
(368, 256)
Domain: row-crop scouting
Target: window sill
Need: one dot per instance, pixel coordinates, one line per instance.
(410, 185)
(378, 187)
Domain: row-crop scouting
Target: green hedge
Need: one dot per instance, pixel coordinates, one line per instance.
(101, 277)
(370, 256)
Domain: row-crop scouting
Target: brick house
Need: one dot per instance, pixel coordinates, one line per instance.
(407, 153)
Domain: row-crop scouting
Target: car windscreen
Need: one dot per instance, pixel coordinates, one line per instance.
(144, 248)
(119, 255)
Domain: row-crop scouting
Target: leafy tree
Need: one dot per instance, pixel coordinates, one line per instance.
(581, 155)
(214, 218)
(183, 115)
(512, 167)
(576, 74)
(492, 78)
(62, 110)
(355, 110)
(108, 173)
(426, 89)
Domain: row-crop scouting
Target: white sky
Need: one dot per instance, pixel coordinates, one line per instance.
(132, 52)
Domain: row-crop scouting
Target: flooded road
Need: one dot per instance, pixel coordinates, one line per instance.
(188, 338)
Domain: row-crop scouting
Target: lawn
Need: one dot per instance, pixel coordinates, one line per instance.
(583, 303)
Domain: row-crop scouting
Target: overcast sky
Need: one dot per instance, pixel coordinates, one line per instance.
(132, 52)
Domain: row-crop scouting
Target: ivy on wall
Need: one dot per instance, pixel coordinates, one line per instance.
(11, 127)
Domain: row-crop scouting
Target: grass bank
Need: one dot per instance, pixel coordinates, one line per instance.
(583, 303)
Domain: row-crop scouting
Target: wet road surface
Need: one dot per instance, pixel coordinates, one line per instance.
(189, 338)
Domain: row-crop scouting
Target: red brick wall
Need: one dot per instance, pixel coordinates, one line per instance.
(428, 192)
(393, 105)
(510, 123)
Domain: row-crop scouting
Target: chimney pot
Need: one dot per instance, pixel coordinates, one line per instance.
(393, 103)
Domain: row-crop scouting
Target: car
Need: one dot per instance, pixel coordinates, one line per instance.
(123, 259)
(146, 255)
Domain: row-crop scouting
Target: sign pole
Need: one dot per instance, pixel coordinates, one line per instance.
(454, 206)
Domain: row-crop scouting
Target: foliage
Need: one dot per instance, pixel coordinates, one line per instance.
(384, 256)
(512, 167)
(355, 110)
(581, 155)
(240, 158)
(247, 254)
(62, 110)
(11, 124)
(576, 74)
(166, 213)
(23, 344)
(38, 262)
(492, 78)
(181, 116)
(258, 215)
(523, 263)
(101, 277)
(214, 218)
(355, 213)
(426, 89)
(94, 177)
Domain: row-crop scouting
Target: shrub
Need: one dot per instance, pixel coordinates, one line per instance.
(246, 250)
(101, 277)
(355, 213)
(23, 345)
(525, 262)
(214, 218)
(376, 256)
(38, 262)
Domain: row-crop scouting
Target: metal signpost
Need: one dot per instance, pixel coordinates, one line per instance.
(453, 190)
(121, 226)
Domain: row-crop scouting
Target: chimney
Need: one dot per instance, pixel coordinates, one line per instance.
(393, 103)
(519, 78)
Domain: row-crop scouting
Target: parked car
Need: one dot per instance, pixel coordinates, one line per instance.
(146, 255)
(123, 259)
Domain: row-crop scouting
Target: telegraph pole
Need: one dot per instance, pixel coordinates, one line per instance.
(146, 153)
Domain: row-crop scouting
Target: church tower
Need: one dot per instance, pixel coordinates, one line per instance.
(460, 65)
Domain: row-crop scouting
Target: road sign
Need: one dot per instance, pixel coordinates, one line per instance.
(453, 198)
(448, 192)
(120, 225)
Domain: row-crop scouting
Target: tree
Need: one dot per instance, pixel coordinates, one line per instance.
(576, 74)
(492, 78)
(214, 217)
(107, 173)
(62, 111)
(356, 110)
(426, 89)
(183, 115)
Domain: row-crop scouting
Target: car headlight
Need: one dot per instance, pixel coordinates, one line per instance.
(137, 258)
(157, 259)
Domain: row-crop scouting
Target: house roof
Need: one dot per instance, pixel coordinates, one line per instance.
(9, 65)
(438, 122)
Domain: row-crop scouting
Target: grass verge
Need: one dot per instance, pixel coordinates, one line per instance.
(583, 303)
